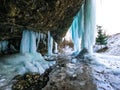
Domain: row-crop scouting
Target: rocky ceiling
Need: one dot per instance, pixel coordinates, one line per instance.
(39, 15)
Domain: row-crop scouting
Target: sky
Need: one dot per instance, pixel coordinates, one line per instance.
(108, 15)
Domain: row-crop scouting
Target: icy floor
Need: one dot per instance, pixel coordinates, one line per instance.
(106, 71)
(13, 65)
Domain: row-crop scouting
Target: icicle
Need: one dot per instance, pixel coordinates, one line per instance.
(44, 37)
(56, 48)
(25, 42)
(38, 39)
(89, 25)
(50, 44)
(28, 42)
(32, 42)
(3, 46)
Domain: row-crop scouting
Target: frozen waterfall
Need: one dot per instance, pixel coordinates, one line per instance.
(30, 41)
(89, 24)
(35, 62)
(83, 27)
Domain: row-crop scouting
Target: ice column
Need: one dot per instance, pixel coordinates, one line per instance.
(77, 31)
(28, 42)
(83, 26)
(89, 25)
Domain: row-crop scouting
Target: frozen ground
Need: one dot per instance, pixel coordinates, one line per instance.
(106, 71)
(106, 66)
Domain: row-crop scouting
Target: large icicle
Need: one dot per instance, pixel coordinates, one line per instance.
(24, 47)
(89, 25)
(50, 44)
(32, 42)
(28, 42)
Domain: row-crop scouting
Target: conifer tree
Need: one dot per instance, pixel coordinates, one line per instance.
(102, 37)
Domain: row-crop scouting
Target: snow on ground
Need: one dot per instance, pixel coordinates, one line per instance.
(106, 67)
(113, 45)
(106, 72)
(96, 48)
(68, 50)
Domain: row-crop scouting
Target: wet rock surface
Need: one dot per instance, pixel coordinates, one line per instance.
(70, 76)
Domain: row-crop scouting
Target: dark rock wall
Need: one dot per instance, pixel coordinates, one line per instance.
(39, 15)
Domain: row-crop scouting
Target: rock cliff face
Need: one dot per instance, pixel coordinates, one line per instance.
(39, 15)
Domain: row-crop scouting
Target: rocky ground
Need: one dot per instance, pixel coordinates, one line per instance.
(70, 74)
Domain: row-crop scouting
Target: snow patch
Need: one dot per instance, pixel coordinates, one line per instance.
(106, 72)
(113, 45)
